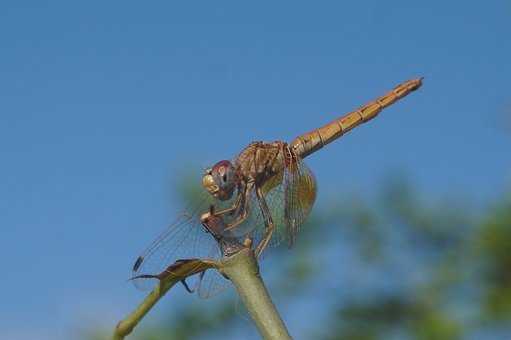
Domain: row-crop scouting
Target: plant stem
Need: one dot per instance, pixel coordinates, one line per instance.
(243, 270)
(176, 272)
(126, 326)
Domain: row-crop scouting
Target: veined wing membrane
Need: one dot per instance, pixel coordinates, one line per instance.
(299, 196)
(185, 238)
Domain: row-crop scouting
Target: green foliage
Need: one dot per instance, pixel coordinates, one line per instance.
(192, 323)
(494, 249)
(464, 263)
(438, 269)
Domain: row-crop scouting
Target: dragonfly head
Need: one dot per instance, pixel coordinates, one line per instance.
(220, 180)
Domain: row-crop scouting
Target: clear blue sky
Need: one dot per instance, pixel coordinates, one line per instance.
(103, 104)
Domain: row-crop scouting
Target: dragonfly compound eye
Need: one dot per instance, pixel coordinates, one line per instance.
(222, 179)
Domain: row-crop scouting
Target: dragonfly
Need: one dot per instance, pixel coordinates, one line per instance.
(261, 197)
(276, 171)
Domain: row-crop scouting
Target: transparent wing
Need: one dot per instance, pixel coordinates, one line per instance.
(299, 187)
(290, 196)
(247, 226)
(273, 192)
(212, 283)
(185, 238)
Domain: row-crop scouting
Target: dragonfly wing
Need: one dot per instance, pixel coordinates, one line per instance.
(275, 199)
(184, 239)
(299, 195)
(289, 196)
(273, 192)
(211, 282)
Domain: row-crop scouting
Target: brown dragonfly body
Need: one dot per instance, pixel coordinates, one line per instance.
(264, 194)
(310, 142)
(261, 167)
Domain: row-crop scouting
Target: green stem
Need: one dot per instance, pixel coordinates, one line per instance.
(125, 327)
(243, 270)
(174, 273)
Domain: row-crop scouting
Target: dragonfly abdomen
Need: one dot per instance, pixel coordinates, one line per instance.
(309, 142)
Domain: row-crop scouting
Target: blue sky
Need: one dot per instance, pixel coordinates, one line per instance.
(103, 105)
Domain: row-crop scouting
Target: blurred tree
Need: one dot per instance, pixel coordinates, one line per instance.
(458, 284)
(416, 271)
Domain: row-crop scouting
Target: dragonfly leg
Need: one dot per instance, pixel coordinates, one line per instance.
(268, 221)
(231, 209)
(193, 290)
(240, 219)
(242, 216)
